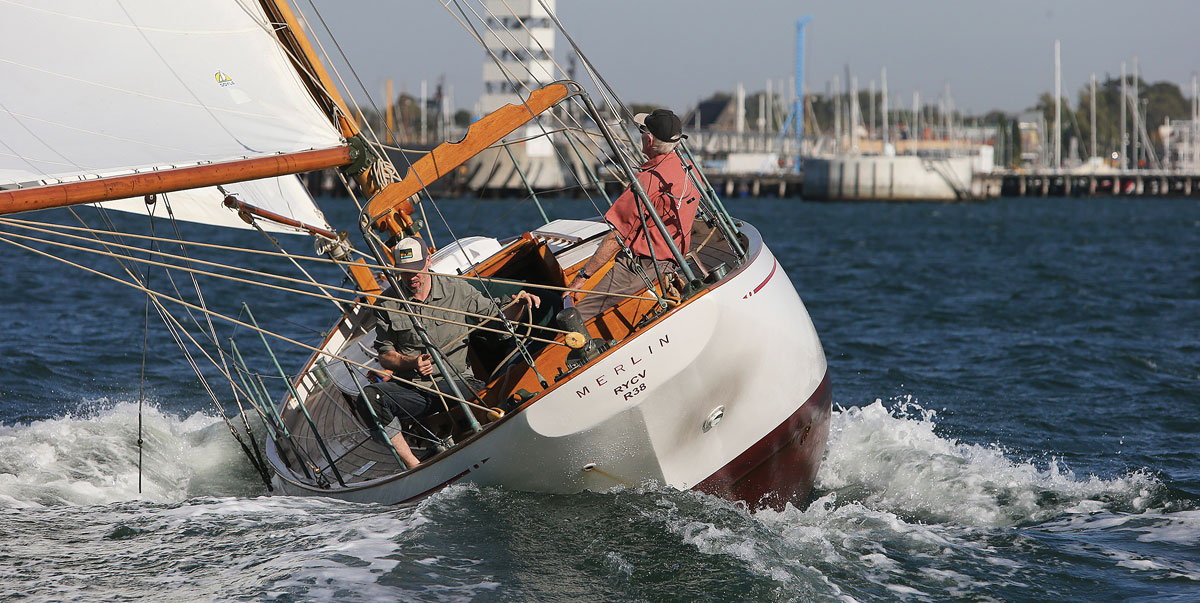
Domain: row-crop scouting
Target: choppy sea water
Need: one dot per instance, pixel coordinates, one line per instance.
(1016, 385)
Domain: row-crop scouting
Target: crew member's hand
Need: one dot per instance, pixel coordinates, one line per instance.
(576, 283)
(425, 364)
(379, 375)
(528, 299)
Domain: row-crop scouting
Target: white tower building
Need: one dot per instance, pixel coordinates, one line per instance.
(524, 43)
(524, 50)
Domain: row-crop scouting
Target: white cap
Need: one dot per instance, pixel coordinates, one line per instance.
(409, 254)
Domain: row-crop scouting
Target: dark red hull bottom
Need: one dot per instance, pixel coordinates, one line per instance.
(782, 466)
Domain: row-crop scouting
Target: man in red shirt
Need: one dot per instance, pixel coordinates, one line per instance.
(674, 198)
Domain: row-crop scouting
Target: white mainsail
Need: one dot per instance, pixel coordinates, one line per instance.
(95, 88)
(283, 195)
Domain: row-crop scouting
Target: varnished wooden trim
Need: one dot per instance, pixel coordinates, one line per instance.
(447, 156)
(170, 180)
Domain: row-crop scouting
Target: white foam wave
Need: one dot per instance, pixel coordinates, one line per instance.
(836, 549)
(839, 550)
(894, 460)
(87, 459)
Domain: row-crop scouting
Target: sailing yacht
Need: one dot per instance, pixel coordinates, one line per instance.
(715, 382)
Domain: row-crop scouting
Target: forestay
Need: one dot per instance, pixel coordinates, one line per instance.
(101, 87)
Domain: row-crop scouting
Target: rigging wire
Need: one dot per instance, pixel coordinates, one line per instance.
(128, 235)
(258, 459)
(160, 295)
(382, 158)
(251, 272)
(513, 80)
(174, 327)
(510, 77)
(145, 335)
(604, 89)
(38, 227)
(295, 291)
(597, 79)
(315, 283)
(139, 278)
(555, 62)
(508, 141)
(142, 380)
(628, 113)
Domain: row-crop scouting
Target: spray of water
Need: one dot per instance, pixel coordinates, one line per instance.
(902, 511)
(894, 460)
(91, 458)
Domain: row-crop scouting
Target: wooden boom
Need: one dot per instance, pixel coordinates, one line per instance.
(169, 180)
(389, 210)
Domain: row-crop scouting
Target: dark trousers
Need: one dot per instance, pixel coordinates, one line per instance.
(398, 400)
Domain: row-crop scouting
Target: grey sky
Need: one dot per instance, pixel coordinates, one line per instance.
(995, 54)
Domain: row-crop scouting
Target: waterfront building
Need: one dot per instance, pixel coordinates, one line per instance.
(519, 36)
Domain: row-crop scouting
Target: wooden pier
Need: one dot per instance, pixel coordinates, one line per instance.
(1050, 183)
(758, 185)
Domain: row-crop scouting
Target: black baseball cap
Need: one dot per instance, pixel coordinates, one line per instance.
(662, 124)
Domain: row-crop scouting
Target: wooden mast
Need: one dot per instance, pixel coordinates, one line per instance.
(391, 206)
(326, 94)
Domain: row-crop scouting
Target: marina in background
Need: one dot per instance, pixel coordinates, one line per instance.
(1009, 418)
(1125, 137)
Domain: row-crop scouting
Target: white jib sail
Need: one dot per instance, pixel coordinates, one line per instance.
(103, 87)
